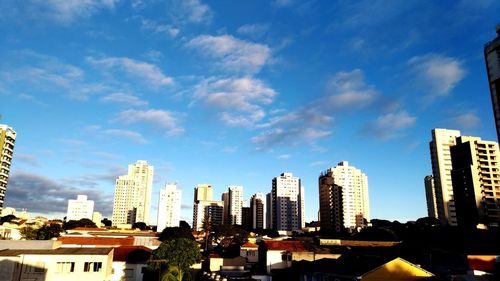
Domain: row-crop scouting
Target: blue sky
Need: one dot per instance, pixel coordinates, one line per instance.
(237, 92)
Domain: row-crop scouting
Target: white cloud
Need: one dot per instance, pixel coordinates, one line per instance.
(255, 30)
(466, 120)
(388, 126)
(191, 11)
(28, 159)
(161, 119)
(61, 11)
(292, 136)
(438, 73)
(124, 99)
(284, 156)
(347, 90)
(241, 99)
(233, 54)
(151, 73)
(131, 135)
(160, 28)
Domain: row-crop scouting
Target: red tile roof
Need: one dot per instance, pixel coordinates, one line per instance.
(290, 246)
(249, 245)
(122, 253)
(97, 241)
(89, 229)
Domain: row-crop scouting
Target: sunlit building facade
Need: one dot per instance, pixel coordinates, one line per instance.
(7, 141)
(81, 208)
(169, 207)
(287, 203)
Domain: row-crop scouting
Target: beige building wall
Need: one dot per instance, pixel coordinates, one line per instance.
(7, 141)
(132, 201)
(442, 140)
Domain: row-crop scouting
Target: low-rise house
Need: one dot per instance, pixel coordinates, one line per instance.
(29, 244)
(61, 264)
(129, 263)
(250, 251)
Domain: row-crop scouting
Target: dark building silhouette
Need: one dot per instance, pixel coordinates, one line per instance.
(492, 57)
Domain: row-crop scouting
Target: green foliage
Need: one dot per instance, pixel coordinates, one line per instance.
(46, 232)
(29, 233)
(179, 254)
(171, 233)
(79, 223)
(141, 226)
(106, 222)
(7, 218)
(235, 233)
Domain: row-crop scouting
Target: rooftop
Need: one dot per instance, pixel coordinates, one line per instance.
(98, 241)
(59, 251)
(290, 246)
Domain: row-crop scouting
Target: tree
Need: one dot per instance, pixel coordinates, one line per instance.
(106, 222)
(184, 224)
(175, 257)
(79, 223)
(141, 226)
(46, 232)
(171, 233)
(28, 233)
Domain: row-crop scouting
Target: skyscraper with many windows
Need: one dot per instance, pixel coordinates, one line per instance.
(235, 196)
(344, 202)
(7, 140)
(81, 208)
(132, 201)
(476, 182)
(287, 203)
(169, 207)
(442, 140)
(258, 210)
(492, 57)
(430, 196)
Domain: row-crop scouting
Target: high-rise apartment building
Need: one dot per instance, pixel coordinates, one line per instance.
(492, 57)
(169, 207)
(258, 210)
(476, 182)
(205, 207)
(81, 208)
(132, 201)
(235, 196)
(442, 140)
(430, 196)
(287, 205)
(7, 140)
(269, 210)
(344, 202)
(225, 200)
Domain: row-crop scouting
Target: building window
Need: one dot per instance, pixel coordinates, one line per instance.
(65, 267)
(92, 267)
(38, 267)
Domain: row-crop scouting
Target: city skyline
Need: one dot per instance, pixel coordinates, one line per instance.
(235, 94)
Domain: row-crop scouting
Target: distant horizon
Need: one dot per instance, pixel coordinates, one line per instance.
(236, 93)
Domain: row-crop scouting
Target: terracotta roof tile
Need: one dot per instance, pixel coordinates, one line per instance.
(291, 246)
(98, 241)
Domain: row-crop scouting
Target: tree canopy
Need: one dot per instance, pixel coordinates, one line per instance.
(170, 233)
(46, 232)
(141, 225)
(79, 223)
(175, 257)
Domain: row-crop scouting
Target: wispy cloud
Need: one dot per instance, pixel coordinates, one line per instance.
(389, 126)
(60, 11)
(317, 163)
(466, 120)
(241, 99)
(28, 159)
(347, 90)
(150, 73)
(47, 74)
(154, 26)
(131, 135)
(232, 53)
(123, 98)
(438, 73)
(160, 119)
(290, 136)
(43, 195)
(190, 11)
(255, 30)
(284, 156)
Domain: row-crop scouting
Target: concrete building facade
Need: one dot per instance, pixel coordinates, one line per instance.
(343, 192)
(430, 196)
(235, 196)
(169, 207)
(132, 201)
(205, 207)
(7, 141)
(476, 182)
(287, 205)
(258, 210)
(442, 140)
(81, 208)
(492, 58)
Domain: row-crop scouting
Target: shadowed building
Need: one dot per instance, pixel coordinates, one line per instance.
(430, 196)
(476, 182)
(492, 57)
(287, 203)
